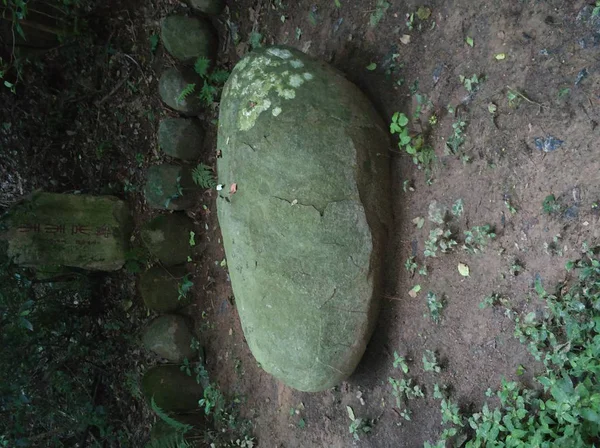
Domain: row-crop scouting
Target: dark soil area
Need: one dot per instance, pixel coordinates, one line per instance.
(84, 119)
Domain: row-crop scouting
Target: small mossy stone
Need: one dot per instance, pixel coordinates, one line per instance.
(305, 232)
(169, 336)
(169, 187)
(72, 230)
(208, 7)
(181, 138)
(189, 38)
(172, 389)
(171, 85)
(167, 237)
(159, 288)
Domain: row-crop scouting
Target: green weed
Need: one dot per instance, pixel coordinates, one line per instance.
(430, 363)
(477, 238)
(435, 307)
(457, 139)
(358, 426)
(551, 206)
(203, 176)
(422, 154)
(565, 409)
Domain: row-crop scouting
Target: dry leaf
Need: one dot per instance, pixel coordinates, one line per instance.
(405, 39)
(413, 292)
(463, 269)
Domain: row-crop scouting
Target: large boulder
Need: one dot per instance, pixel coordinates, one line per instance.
(169, 187)
(50, 230)
(209, 7)
(172, 389)
(181, 138)
(167, 237)
(169, 336)
(172, 85)
(189, 38)
(159, 288)
(305, 232)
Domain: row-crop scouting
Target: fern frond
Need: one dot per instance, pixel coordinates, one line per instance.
(189, 89)
(174, 440)
(208, 94)
(203, 176)
(219, 76)
(201, 66)
(182, 428)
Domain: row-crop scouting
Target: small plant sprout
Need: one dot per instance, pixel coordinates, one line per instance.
(493, 299)
(422, 154)
(550, 206)
(358, 426)
(400, 362)
(430, 363)
(511, 208)
(471, 84)
(516, 267)
(457, 139)
(458, 208)
(435, 307)
(411, 266)
(477, 238)
(184, 287)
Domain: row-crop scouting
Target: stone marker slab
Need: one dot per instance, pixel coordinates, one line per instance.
(81, 231)
(305, 232)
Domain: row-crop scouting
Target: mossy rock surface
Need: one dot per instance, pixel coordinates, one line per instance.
(170, 337)
(181, 138)
(170, 187)
(305, 233)
(172, 389)
(80, 231)
(189, 38)
(159, 288)
(167, 237)
(208, 7)
(171, 85)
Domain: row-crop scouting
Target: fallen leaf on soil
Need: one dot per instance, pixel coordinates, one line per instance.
(423, 13)
(413, 292)
(500, 56)
(233, 188)
(463, 269)
(405, 39)
(419, 222)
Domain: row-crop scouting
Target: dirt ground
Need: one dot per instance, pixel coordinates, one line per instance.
(545, 49)
(111, 114)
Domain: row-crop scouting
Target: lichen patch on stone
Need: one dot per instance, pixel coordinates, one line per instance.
(255, 77)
